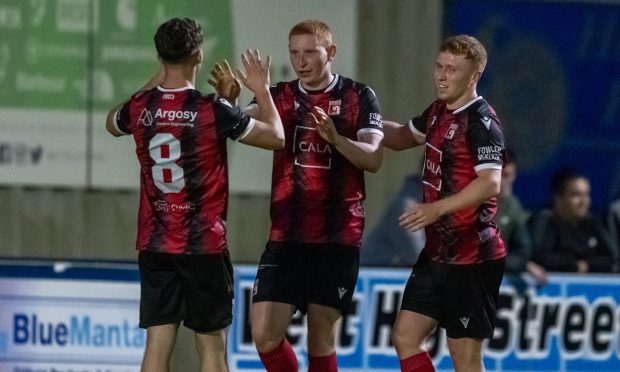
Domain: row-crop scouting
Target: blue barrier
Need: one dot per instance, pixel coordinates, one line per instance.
(83, 316)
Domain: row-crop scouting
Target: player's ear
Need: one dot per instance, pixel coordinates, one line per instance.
(475, 78)
(331, 52)
(197, 55)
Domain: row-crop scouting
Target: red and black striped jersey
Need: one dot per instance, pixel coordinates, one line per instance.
(180, 138)
(458, 144)
(317, 194)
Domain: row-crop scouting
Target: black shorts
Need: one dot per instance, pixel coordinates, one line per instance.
(299, 274)
(195, 289)
(462, 298)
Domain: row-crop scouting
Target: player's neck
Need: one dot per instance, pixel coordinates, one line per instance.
(322, 85)
(467, 97)
(179, 77)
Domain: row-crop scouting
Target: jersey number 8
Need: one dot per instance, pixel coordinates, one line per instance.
(165, 150)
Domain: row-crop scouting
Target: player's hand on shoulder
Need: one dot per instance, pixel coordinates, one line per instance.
(256, 73)
(224, 81)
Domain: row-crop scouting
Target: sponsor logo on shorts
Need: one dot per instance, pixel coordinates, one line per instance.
(255, 288)
(464, 321)
(266, 266)
(341, 292)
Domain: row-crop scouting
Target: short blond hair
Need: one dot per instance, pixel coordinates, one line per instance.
(314, 27)
(468, 46)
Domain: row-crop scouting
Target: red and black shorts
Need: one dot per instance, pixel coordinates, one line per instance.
(194, 289)
(462, 298)
(299, 274)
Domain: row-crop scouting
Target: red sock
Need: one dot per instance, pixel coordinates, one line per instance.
(325, 363)
(417, 363)
(280, 359)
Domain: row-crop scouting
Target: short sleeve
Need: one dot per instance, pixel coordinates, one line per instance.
(231, 121)
(418, 124)
(370, 113)
(486, 143)
(122, 118)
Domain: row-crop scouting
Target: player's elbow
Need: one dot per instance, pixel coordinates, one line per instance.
(278, 143)
(278, 140)
(374, 169)
(493, 186)
(112, 130)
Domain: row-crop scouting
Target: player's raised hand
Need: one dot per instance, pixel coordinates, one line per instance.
(256, 74)
(325, 125)
(224, 81)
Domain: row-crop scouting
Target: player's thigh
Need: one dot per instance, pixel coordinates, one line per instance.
(161, 290)
(280, 276)
(270, 320)
(469, 300)
(209, 291)
(332, 276)
(411, 330)
(422, 293)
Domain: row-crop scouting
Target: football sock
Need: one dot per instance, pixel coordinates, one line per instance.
(325, 363)
(420, 362)
(280, 359)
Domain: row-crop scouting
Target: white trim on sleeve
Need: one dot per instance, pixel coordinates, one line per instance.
(247, 130)
(482, 166)
(116, 124)
(414, 130)
(370, 130)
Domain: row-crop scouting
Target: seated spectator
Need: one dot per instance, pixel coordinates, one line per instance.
(388, 244)
(512, 221)
(613, 222)
(567, 238)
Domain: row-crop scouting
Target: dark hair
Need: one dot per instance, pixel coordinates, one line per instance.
(562, 178)
(177, 39)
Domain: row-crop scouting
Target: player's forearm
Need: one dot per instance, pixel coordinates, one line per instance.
(478, 191)
(365, 156)
(268, 114)
(398, 137)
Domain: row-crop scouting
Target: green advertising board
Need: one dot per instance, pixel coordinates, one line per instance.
(90, 54)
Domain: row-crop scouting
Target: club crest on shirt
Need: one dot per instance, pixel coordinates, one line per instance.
(334, 107)
(451, 131)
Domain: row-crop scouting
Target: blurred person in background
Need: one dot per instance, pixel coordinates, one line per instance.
(180, 135)
(388, 244)
(512, 220)
(613, 226)
(455, 282)
(568, 238)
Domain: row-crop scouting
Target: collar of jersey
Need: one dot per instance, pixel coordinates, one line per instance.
(327, 89)
(189, 86)
(466, 105)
